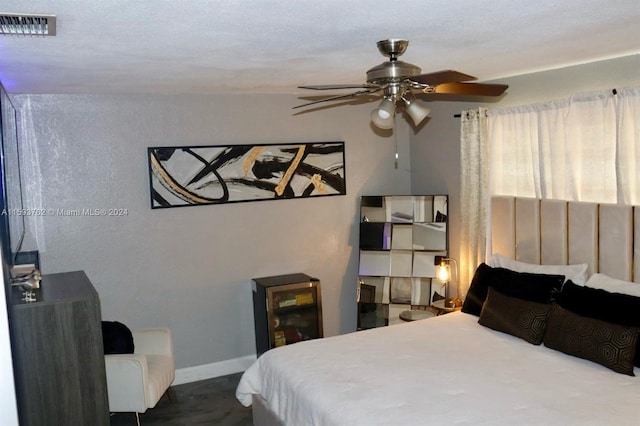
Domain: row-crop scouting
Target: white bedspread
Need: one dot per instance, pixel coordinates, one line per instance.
(444, 370)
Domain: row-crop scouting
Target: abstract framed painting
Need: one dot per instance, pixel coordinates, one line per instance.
(218, 174)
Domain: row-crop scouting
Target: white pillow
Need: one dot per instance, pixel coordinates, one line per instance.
(613, 285)
(576, 273)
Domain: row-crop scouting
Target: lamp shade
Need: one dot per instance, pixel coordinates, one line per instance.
(417, 112)
(387, 108)
(383, 123)
(382, 116)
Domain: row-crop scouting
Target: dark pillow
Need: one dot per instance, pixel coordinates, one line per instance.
(539, 288)
(608, 344)
(590, 302)
(116, 338)
(518, 317)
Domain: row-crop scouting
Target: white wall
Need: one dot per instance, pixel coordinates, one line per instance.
(190, 268)
(435, 148)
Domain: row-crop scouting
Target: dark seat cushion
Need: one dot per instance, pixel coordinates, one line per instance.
(116, 338)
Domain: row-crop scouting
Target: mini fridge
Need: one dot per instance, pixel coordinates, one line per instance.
(286, 309)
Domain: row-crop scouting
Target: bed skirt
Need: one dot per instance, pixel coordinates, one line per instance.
(262, 414)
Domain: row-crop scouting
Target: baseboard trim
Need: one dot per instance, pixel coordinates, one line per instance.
(216, 369)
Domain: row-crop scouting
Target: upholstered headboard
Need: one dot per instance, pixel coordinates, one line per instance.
(567, 232)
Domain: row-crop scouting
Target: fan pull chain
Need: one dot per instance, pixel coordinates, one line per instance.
(395, 137)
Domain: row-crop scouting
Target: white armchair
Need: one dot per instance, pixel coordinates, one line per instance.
(136, 382)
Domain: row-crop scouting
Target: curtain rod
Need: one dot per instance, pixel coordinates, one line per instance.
(614, 92)
(460, 115)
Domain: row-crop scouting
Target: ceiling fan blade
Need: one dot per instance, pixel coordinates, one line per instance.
(335, 98)
(338, 86)
(439, 77)
(479, 89)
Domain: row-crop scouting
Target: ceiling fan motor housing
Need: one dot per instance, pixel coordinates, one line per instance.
(389, 72)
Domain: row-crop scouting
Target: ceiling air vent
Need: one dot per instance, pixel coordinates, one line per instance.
(27, 24)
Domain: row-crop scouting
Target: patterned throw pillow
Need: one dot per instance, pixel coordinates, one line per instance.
(596, 303)
(608, 344)
(518, 317)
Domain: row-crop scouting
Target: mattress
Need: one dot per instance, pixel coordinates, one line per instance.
(447, 369)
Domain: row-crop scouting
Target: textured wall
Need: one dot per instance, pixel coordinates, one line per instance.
(190, 268)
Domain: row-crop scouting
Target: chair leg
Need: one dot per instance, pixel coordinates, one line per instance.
(137, 418)
(169, 393)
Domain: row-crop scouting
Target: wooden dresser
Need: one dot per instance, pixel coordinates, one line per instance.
(58, 354)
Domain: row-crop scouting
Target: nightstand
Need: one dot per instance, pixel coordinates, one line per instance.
(417, 314)
(440, 308)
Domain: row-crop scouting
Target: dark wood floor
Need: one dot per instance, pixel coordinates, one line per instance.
(208, 402)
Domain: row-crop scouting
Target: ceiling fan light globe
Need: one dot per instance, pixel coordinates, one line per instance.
(417, 112)
(382, 123)
(386, 109)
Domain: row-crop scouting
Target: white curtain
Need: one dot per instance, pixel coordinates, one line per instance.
(582, 148)
(473, 193)
(628, 160)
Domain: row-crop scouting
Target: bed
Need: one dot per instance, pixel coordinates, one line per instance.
(489, 364)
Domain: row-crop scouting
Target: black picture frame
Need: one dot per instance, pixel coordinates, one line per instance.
(183, 176)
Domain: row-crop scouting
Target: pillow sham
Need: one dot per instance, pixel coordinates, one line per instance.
(518, 317)
(613, 285)
(608, 344)
(576, 273)
(596, 303)
(539, 288)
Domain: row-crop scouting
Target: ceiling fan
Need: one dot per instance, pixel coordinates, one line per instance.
(397, 80)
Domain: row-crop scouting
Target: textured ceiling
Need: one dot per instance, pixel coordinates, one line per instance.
(207, 46)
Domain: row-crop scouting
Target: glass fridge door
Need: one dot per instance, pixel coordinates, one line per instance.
(294, 313)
